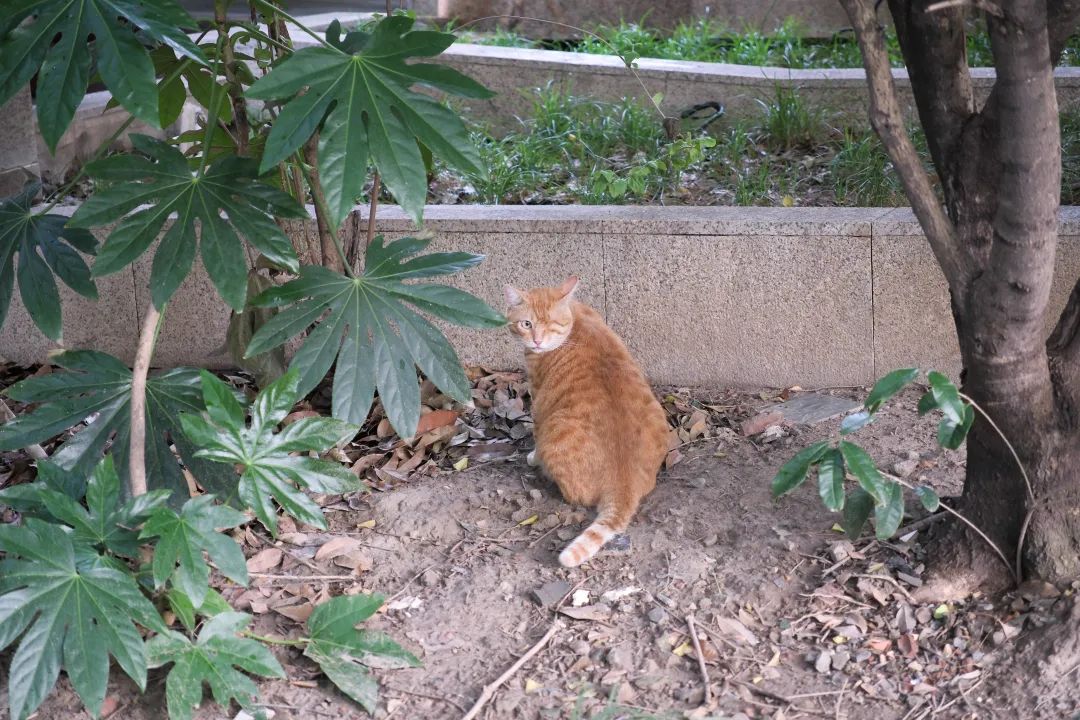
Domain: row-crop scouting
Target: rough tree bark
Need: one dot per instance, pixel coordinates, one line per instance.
(995, 240)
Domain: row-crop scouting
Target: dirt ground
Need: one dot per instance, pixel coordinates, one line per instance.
(792, 620)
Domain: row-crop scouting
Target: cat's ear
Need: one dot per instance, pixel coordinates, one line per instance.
(513, 295)
(568, 288)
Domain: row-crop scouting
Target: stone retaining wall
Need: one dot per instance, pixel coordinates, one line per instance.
(710, 296)
(840, 94)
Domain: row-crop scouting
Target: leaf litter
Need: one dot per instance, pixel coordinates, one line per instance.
(855, 625)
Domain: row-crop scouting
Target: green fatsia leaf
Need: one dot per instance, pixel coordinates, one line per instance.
(377, 339)
(359, 91)
(44, 247)
(341, 650)
(228, 186)
(56, 46)
(182, 539)
(212, 659)
(97, 388)
(269, 475)
(104, 523)
(71, 612)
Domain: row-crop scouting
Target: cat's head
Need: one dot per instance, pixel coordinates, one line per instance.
(541, 318)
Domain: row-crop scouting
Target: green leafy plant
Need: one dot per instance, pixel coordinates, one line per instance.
(44, 246)
(341, 650)
(95, 547)
(72, 610)
(183, 538)
(213, 659)
(269, 472)
(54, 45)
(229, 185)
(105, 523)
(876, 493)
(376, 338)
(363, 80)
(98, 384)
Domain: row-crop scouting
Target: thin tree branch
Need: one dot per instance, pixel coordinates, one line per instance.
(935, 53)
(1063, 17)
(489, 690)
(888, 122)
(33, 450)
(236, 93)
(700, 658)
(137, 455)
(374, 205)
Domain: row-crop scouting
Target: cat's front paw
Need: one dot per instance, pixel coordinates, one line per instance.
(531, 459)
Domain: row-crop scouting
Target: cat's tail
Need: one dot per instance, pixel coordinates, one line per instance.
(612, 520)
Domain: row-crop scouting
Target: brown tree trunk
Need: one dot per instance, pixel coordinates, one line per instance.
(1000, 167)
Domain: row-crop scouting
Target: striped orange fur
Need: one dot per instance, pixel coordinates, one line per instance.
(600, 433)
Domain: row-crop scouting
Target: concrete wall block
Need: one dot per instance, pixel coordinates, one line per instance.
(109, 324)
(720, 310)
(913, 324)
(18, 147)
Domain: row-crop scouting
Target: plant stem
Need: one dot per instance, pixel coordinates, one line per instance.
(275, 640)
(278, 11)
(328, 236)
(212, 111)
(104, 147)
(375, 187)
(961, 518)
(33, 449)
(137, 460)
(235, 91)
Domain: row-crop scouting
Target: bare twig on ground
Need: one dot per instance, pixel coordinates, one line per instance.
(137, 463)
(409, 582)
(700, 658)
(302, 578)
(489, 690)
(33, 450)
(429, 696)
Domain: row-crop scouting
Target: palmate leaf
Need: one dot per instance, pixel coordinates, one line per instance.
(44, 247)
(56, 42)
(377, 339)
(212, 659)
(341, 649)
(359, 90)
(182, 539)
(269, 474)
(99, 384)
(104, 523)
(75, 612)
(163, 177)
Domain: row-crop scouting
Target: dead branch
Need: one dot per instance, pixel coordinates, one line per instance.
(489, 690)
(700, 658)
(888, 122)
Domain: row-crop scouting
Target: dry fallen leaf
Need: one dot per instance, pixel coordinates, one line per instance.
(598, 613)
(299, 613)
(264, 560)
(435, 419)
(335, 547)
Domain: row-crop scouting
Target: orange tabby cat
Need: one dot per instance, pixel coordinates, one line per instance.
(600, 433)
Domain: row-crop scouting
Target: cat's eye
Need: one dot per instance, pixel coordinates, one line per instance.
(525, 324)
